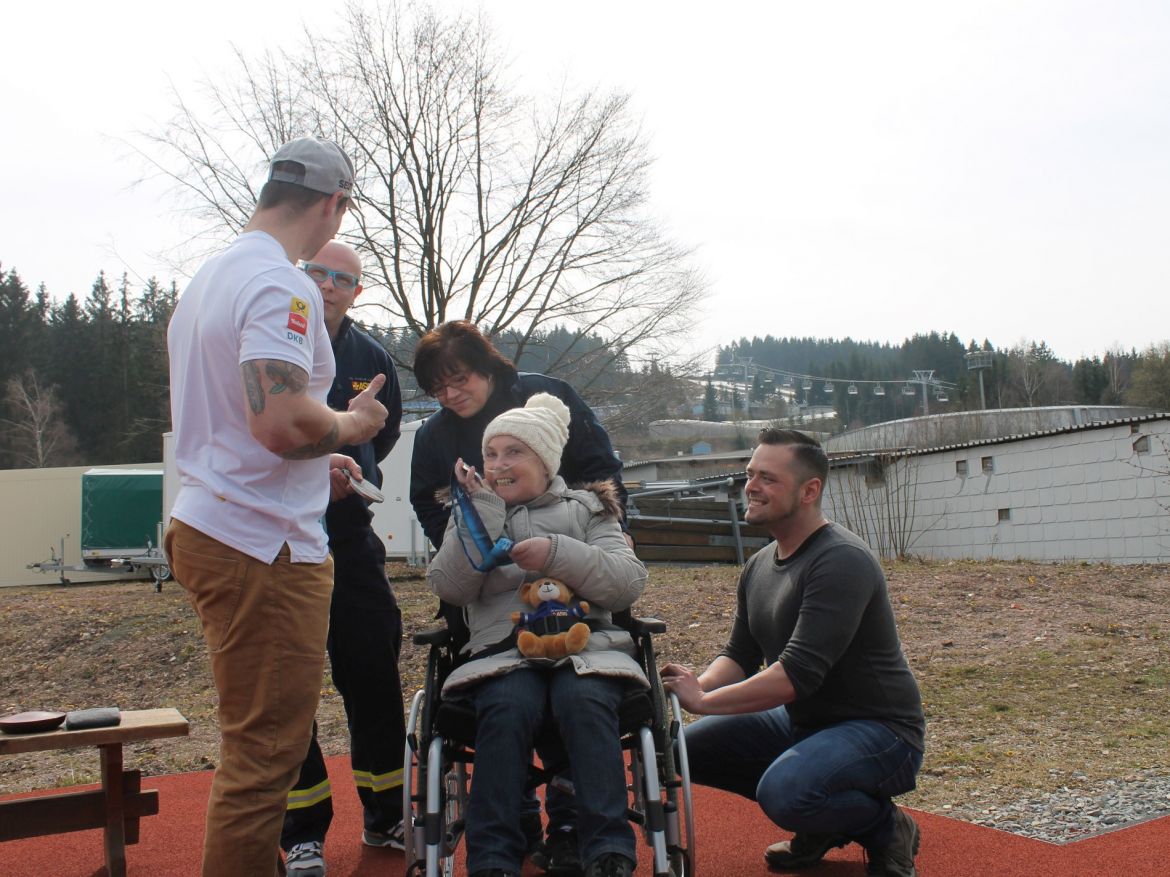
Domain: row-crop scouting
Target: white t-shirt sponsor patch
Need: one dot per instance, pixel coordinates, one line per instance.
(298, 316)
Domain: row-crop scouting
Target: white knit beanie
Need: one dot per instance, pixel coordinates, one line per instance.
(542, 424)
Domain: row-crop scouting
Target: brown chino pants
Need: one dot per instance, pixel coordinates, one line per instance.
(265, 626)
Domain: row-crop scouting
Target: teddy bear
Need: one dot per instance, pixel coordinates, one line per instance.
(550, 631)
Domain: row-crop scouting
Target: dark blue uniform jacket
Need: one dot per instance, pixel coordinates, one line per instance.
(359, 358)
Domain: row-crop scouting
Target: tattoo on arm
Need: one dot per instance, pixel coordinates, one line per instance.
(325, 445)
(253, 387)
(286, 376)
(293, 380)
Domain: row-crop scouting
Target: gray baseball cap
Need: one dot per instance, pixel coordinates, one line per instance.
(323, 166)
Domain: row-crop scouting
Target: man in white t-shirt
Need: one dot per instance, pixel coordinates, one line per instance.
(250, 368)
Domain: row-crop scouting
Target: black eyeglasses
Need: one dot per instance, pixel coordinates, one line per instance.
(341, 279)
(455, 382)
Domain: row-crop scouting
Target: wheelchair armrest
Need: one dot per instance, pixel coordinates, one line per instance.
(435, 636)
(648, 625)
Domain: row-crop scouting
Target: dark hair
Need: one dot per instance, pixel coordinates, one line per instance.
(278, 193)
(806, 450)
(456, 345)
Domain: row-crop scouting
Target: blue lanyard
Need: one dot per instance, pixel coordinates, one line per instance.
(467, 517)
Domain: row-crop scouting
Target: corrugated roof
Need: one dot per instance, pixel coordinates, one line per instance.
(846, 456)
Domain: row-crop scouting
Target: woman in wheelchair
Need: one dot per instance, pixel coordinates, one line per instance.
(572, 535)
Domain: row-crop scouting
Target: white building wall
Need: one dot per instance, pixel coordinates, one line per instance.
(1081, 495)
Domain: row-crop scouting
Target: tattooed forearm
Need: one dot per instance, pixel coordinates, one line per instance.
(291, 420)
(253, 387)
(285, 376)
(327, 444)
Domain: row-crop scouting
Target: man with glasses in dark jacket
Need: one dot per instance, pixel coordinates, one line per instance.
(365, 625)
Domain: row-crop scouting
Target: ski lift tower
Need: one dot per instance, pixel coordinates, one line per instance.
(744, 362)
(926, 378)
(980, 361)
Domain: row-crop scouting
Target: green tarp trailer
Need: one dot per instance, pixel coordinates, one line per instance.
(121, 510)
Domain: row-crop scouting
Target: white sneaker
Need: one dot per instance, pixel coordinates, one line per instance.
(395, 838)
(306, 860)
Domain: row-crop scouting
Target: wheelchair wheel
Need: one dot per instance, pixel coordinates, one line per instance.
(431, 683)
(682, 846)
(423, 785)
(673, 789)
(413, 778)
(455, 791)
(657, 780)
(446, 803)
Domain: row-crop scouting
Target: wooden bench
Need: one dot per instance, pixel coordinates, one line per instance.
(116, 807)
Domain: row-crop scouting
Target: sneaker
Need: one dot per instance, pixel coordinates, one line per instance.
(559, 856)
(610, 865)
(896, 859)
(803, 851)
(306, 860)
(395, 838)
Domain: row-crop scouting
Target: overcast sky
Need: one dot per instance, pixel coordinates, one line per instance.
(866, 169)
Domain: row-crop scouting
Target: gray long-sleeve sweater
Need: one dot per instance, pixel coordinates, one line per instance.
(825, 614)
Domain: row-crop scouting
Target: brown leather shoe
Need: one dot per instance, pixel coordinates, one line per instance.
(896, 859)
(803, 851)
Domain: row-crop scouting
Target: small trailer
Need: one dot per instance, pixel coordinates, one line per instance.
(121, 527)
(124, 513)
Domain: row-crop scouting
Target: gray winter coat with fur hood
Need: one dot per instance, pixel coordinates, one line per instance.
(589, 554)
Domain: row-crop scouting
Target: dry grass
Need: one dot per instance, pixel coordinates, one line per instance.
(1031, 673)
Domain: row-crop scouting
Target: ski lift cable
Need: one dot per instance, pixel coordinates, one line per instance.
(801, 377)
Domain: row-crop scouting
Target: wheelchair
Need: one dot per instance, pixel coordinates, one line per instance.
(440, 736)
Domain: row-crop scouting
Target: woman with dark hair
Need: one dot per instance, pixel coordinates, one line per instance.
(474, 383)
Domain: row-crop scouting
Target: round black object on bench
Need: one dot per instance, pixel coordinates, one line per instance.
(31, 722)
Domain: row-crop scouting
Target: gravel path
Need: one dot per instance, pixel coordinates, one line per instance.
(1074, 813)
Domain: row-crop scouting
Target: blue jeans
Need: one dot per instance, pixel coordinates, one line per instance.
(558, 803)
(510, 710)
(836, 780)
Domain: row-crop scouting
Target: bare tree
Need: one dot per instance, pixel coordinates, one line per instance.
(477, 202)
(878, 500)
(36, 433)
(1035, 376)
(661, 393)
(1117, 365)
